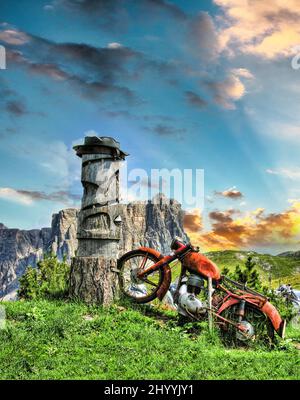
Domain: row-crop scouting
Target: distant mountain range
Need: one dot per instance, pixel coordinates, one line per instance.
(293, 254)
(283, 268)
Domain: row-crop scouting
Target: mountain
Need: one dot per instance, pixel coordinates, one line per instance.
(144, 224)
(292, 254)
(18, 249)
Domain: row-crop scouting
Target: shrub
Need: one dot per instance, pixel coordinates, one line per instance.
(49, 280)
(251, 278)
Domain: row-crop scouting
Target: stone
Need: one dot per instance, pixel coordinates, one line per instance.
(18, 249)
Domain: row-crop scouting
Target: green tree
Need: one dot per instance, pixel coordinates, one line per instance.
(29, 285)
(249, 275)
(48, 280)
(225, 271)
(239, 275)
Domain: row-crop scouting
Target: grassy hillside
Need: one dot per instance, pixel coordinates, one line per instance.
(281, 269)
(57, 340)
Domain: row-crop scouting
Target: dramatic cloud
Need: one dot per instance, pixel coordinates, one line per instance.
(113, 10)
(92, 71)
(231, 193)
(13, 195)
(194, 99)
(91, 89)
(159, 6)
(166, 130)
(27, 197)
(203, 37)
(251, 230)
(264, 28)
(192, 221)
(11, 102)
(16, 108)
(14, 37)
(231, 89)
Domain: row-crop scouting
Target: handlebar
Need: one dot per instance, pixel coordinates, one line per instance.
(180, 247)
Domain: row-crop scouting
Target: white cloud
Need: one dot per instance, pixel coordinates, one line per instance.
(231, 89)
(13, 195)
(242, 72)
(48, 7)
(269, 29)
(290, 173)
(14, 37)
(114, 45)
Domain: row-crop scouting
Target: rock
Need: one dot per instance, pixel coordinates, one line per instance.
(18, 249)
(63, 241)
(150, 224)
(143, 224)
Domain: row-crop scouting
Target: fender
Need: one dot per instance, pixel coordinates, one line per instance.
(144, 249)
(155, 253)
(268, 309)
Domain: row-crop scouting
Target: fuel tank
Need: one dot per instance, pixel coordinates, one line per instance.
(196, 262)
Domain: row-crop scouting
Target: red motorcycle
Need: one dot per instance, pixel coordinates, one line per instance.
(243, 314)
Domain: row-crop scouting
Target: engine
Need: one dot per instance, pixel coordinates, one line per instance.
(189, 304)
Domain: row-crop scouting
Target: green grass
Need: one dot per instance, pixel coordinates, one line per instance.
(281, 269)
(64, 340)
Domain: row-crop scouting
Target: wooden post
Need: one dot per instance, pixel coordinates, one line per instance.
(93, 278)
(210, 317)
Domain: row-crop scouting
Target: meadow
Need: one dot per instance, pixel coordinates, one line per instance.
(45, 339)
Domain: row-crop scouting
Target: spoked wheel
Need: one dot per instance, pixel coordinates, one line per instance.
(140, 290)
(258, 328)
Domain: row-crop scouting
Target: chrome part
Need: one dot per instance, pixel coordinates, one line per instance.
(247, 329)
(188, 303)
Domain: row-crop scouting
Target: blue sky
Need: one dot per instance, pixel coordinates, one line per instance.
(181, 84)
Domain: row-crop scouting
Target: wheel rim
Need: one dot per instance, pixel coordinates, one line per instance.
(262, 330)
(139, 288)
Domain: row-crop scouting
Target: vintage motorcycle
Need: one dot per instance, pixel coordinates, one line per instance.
(242, 314)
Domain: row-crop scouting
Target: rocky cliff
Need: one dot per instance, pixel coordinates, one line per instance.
(18, 249)
(148, 224)
(151, 224)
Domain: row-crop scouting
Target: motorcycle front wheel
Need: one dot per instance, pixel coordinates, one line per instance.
(139, 290)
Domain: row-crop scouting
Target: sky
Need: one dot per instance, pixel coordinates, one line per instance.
(210, 84)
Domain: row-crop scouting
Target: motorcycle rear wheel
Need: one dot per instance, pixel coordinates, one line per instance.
(263, 330)
(139, 290)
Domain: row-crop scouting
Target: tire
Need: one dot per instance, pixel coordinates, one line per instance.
(132, 287)
(263, 334)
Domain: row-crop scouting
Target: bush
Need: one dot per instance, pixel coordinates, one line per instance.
(49, 280)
